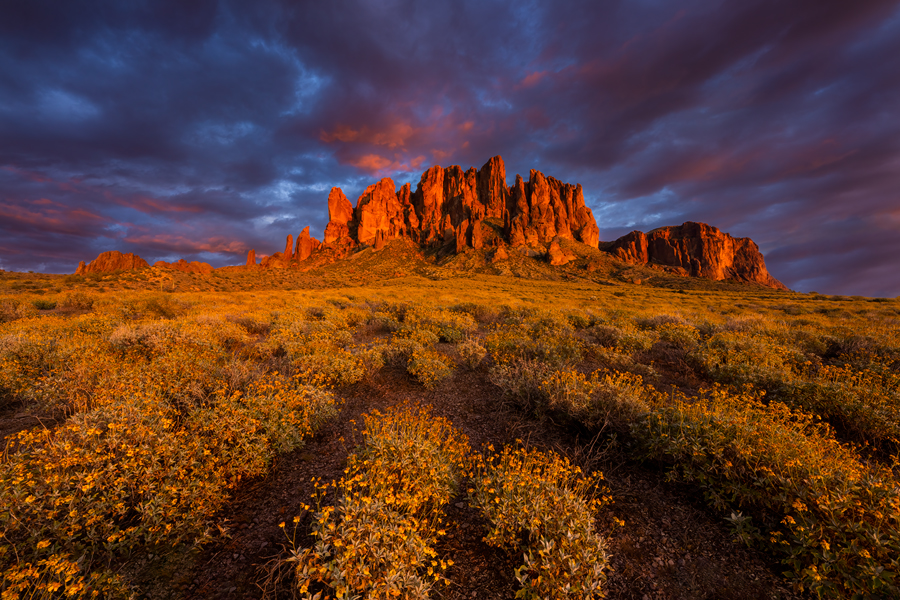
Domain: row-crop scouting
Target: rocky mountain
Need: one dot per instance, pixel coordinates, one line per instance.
(697, 250)
(452, 211)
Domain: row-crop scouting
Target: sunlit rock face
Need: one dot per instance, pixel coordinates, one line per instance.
(450, 205)
(306, 245)
(113, 260)
(340, 213)
(698, 250)
(185, 266)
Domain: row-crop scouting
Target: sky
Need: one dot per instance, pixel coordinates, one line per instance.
(202, 129)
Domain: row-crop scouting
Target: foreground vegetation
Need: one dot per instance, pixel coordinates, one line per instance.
(781, 410)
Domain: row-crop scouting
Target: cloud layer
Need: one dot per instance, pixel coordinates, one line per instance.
(203, 129)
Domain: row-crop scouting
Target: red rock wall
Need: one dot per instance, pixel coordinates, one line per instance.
(700, 250)
(113, 260)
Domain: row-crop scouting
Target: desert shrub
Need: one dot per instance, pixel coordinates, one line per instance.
(330, 367)
(137, 473)
(680, 334)
(253, 324)
(596, 400)
(471, 352)
(145, 339)
(383, 322)
(863, 405)
(580, 320)
(429, 367)
(624, 338)
(155, 307)
(320, 350)
(447, 325)
(482, 313)
(539, 505)
(521, 379)
(41, 304)
(76, 301)
(546, 338)
(378, 541)
(12, 309)
(371, 359)
(657, 321)
(737, 357)
(789, 486)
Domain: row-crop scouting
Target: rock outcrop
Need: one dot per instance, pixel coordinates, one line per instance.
(251, 258)
(557, 256)
(698, 250)
(450, 205)
(113, 260)
(340, 213)
(288, 248)
(306, 245)
(185, 266)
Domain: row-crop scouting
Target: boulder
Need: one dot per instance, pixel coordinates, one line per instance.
(113, 260)
(555, 254)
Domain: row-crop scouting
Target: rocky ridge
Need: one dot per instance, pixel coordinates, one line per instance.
(455, 211)
(696, 250)
(112, 261)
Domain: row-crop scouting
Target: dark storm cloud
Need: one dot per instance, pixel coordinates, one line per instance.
(204, 129)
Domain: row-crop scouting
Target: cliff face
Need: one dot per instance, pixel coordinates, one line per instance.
(450, 205)
(113, 260)
(698, 249)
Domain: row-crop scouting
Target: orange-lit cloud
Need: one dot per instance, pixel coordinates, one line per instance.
(150, 206)
(55, 216)
(181, 243)
(392, 135)
(532, 79)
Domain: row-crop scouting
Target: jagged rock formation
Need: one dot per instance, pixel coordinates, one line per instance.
(251, 258)
(340, 213)
(450, 205)
(306, 245)
(698, 250)
(289, 248)
(185, 266)
(113, 260)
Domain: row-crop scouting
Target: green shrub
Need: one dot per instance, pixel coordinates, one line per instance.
(44, 304)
